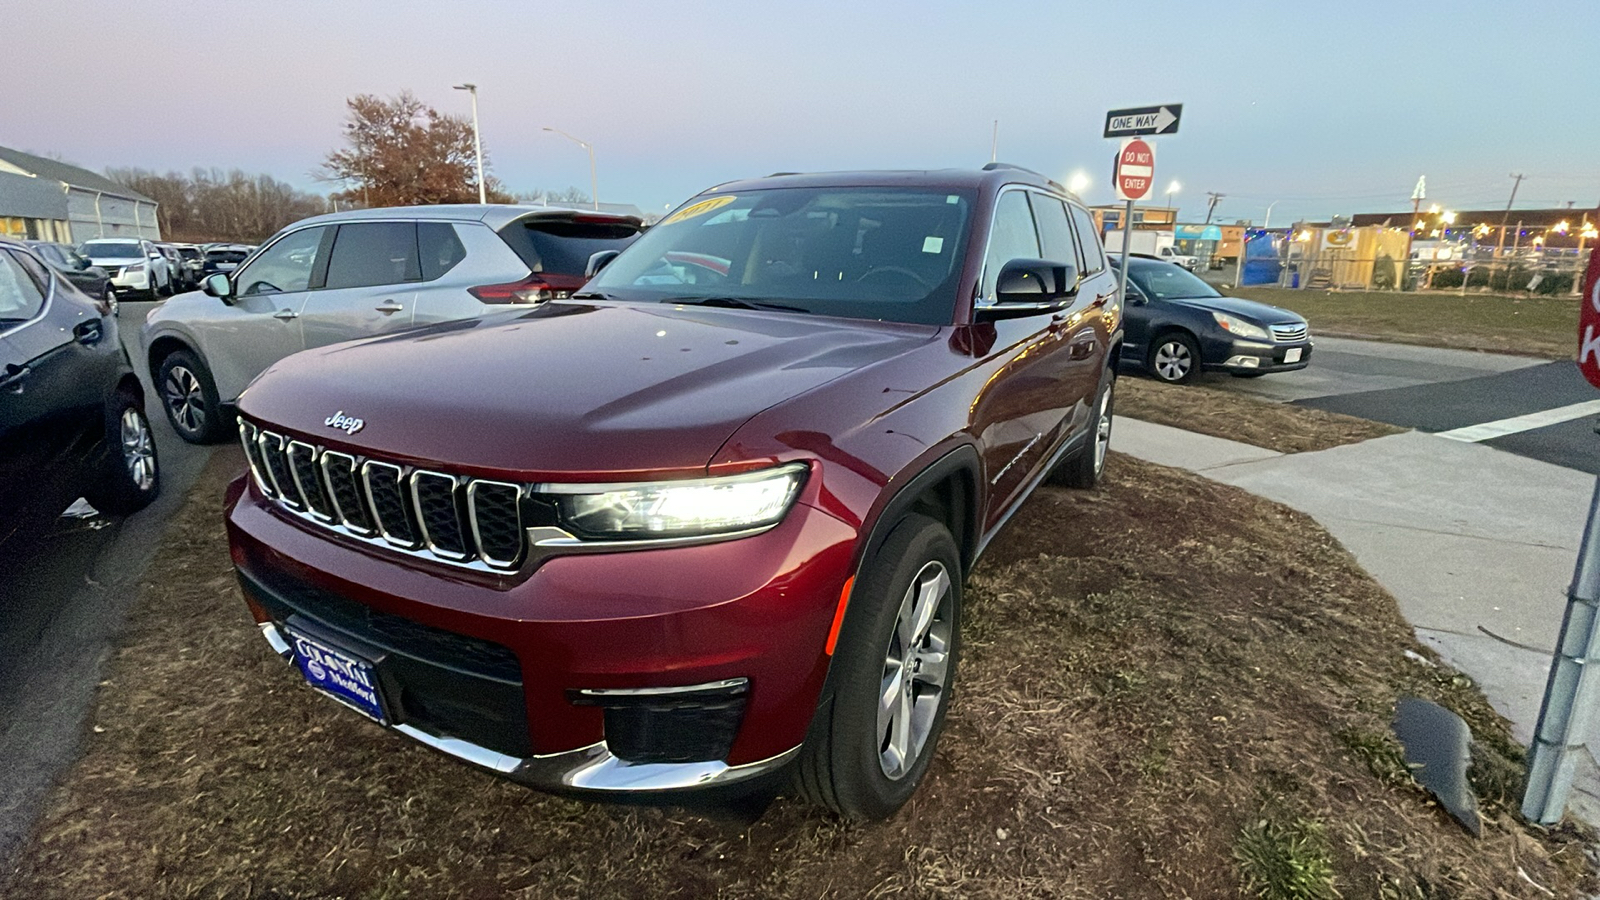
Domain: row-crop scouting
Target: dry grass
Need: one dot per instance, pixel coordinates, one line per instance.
(1530, 326)
(1151, 670)
(1225, 414)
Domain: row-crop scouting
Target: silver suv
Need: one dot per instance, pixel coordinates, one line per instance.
(358, 274)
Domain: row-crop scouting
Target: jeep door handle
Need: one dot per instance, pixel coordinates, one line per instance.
(389, 307)
(286, 314)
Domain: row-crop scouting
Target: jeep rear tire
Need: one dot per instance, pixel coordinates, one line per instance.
(1083, 469)
(877, 728)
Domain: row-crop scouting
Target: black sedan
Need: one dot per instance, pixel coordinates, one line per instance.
(1176, 326)
(76, 268)
(72, 419)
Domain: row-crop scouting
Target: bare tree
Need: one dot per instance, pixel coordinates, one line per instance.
(400, 152)
(214, 205)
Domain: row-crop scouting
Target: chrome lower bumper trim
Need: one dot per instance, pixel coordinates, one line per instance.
(592, 768)
(280, 645)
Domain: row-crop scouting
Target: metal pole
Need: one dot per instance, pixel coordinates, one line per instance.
(1244, 240)
(594, 186)
(1570, 694)
(1127, 243)
(477, 145)
(994, 142)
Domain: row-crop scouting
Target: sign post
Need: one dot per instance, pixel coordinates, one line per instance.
(1573, 689)
(1136, 172)
(1136, 163)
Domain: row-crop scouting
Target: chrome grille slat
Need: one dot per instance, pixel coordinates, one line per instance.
(384, 483)
(494, 511)
(302, 458)
(1288, 333)
(344, 490)
(433, 498)
(271, 446)
(453, 519)
(252, 453)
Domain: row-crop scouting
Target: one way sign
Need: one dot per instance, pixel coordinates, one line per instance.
(1144, 120)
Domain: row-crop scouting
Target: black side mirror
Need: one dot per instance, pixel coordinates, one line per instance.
(218, 286)
(1028, 287)
(598, 261)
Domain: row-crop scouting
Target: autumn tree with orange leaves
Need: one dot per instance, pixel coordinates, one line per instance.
(401, 152)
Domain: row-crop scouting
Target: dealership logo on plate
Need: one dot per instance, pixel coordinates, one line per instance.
(347, 424)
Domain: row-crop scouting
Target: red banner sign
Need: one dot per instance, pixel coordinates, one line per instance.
(1589, 322)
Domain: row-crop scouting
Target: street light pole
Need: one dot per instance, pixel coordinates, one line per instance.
(594, 186)
(1267, 222)
(1173, 188)
(477, 140)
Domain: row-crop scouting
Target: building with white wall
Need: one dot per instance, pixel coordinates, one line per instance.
(45, 199)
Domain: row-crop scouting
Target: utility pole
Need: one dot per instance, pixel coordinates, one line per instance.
(1501, 246)
(477, 140)
(994, 143)
(1211, 205)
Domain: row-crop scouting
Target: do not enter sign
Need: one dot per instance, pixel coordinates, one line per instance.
(1136, 170)
(1589, 322)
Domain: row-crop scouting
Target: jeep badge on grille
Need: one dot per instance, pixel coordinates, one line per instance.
(347, 424)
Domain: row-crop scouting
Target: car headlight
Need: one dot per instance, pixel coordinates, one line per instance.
(136, 267)
(1240, 328)
(668, 509)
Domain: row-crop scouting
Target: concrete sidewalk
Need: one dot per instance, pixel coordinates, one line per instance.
(1467, 538)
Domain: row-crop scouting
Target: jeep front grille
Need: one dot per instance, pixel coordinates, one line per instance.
(471, 522)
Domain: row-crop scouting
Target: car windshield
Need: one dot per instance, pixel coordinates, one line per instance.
(112, 249)
(870, 253)
(189, 252)
(1165, 281)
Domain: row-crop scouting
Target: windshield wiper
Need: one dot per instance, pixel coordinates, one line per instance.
(734, 303)
(591, 295)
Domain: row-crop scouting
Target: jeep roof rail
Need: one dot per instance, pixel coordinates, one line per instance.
(779, 174)
(990, 167)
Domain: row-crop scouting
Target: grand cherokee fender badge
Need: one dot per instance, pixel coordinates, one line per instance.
(347, 424)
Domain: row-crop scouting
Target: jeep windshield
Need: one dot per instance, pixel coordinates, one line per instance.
(867, 253)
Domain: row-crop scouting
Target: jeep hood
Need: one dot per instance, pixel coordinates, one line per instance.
(568, 391)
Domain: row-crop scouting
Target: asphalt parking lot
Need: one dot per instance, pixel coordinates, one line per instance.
(1535, 408)
(65, 595)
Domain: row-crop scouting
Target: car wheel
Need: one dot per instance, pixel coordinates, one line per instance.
(1084, 468)
(874, 734)
(1174, 358)
(154, 291)
(132, 476)
(109, 297)
(189, 396)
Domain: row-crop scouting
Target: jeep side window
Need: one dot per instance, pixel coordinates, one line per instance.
(1012, 237)
(1094, 254)
(1055, 232)
(284, 267)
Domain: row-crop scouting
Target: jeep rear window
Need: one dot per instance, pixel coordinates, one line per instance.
(563, 247)
(864, 252)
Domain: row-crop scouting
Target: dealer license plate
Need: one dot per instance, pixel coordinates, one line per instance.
(343, 676)
(1291, 355)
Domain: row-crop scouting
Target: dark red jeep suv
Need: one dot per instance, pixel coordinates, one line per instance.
(704, 524)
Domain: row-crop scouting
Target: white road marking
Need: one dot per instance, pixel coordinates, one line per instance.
(1474, 433)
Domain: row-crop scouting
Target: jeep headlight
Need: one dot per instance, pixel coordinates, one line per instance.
(668, 509)
(1240, 328)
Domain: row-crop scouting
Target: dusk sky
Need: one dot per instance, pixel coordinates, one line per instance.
(1324, 108)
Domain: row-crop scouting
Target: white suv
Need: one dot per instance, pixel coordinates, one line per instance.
(133, 265)
(359, 274)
